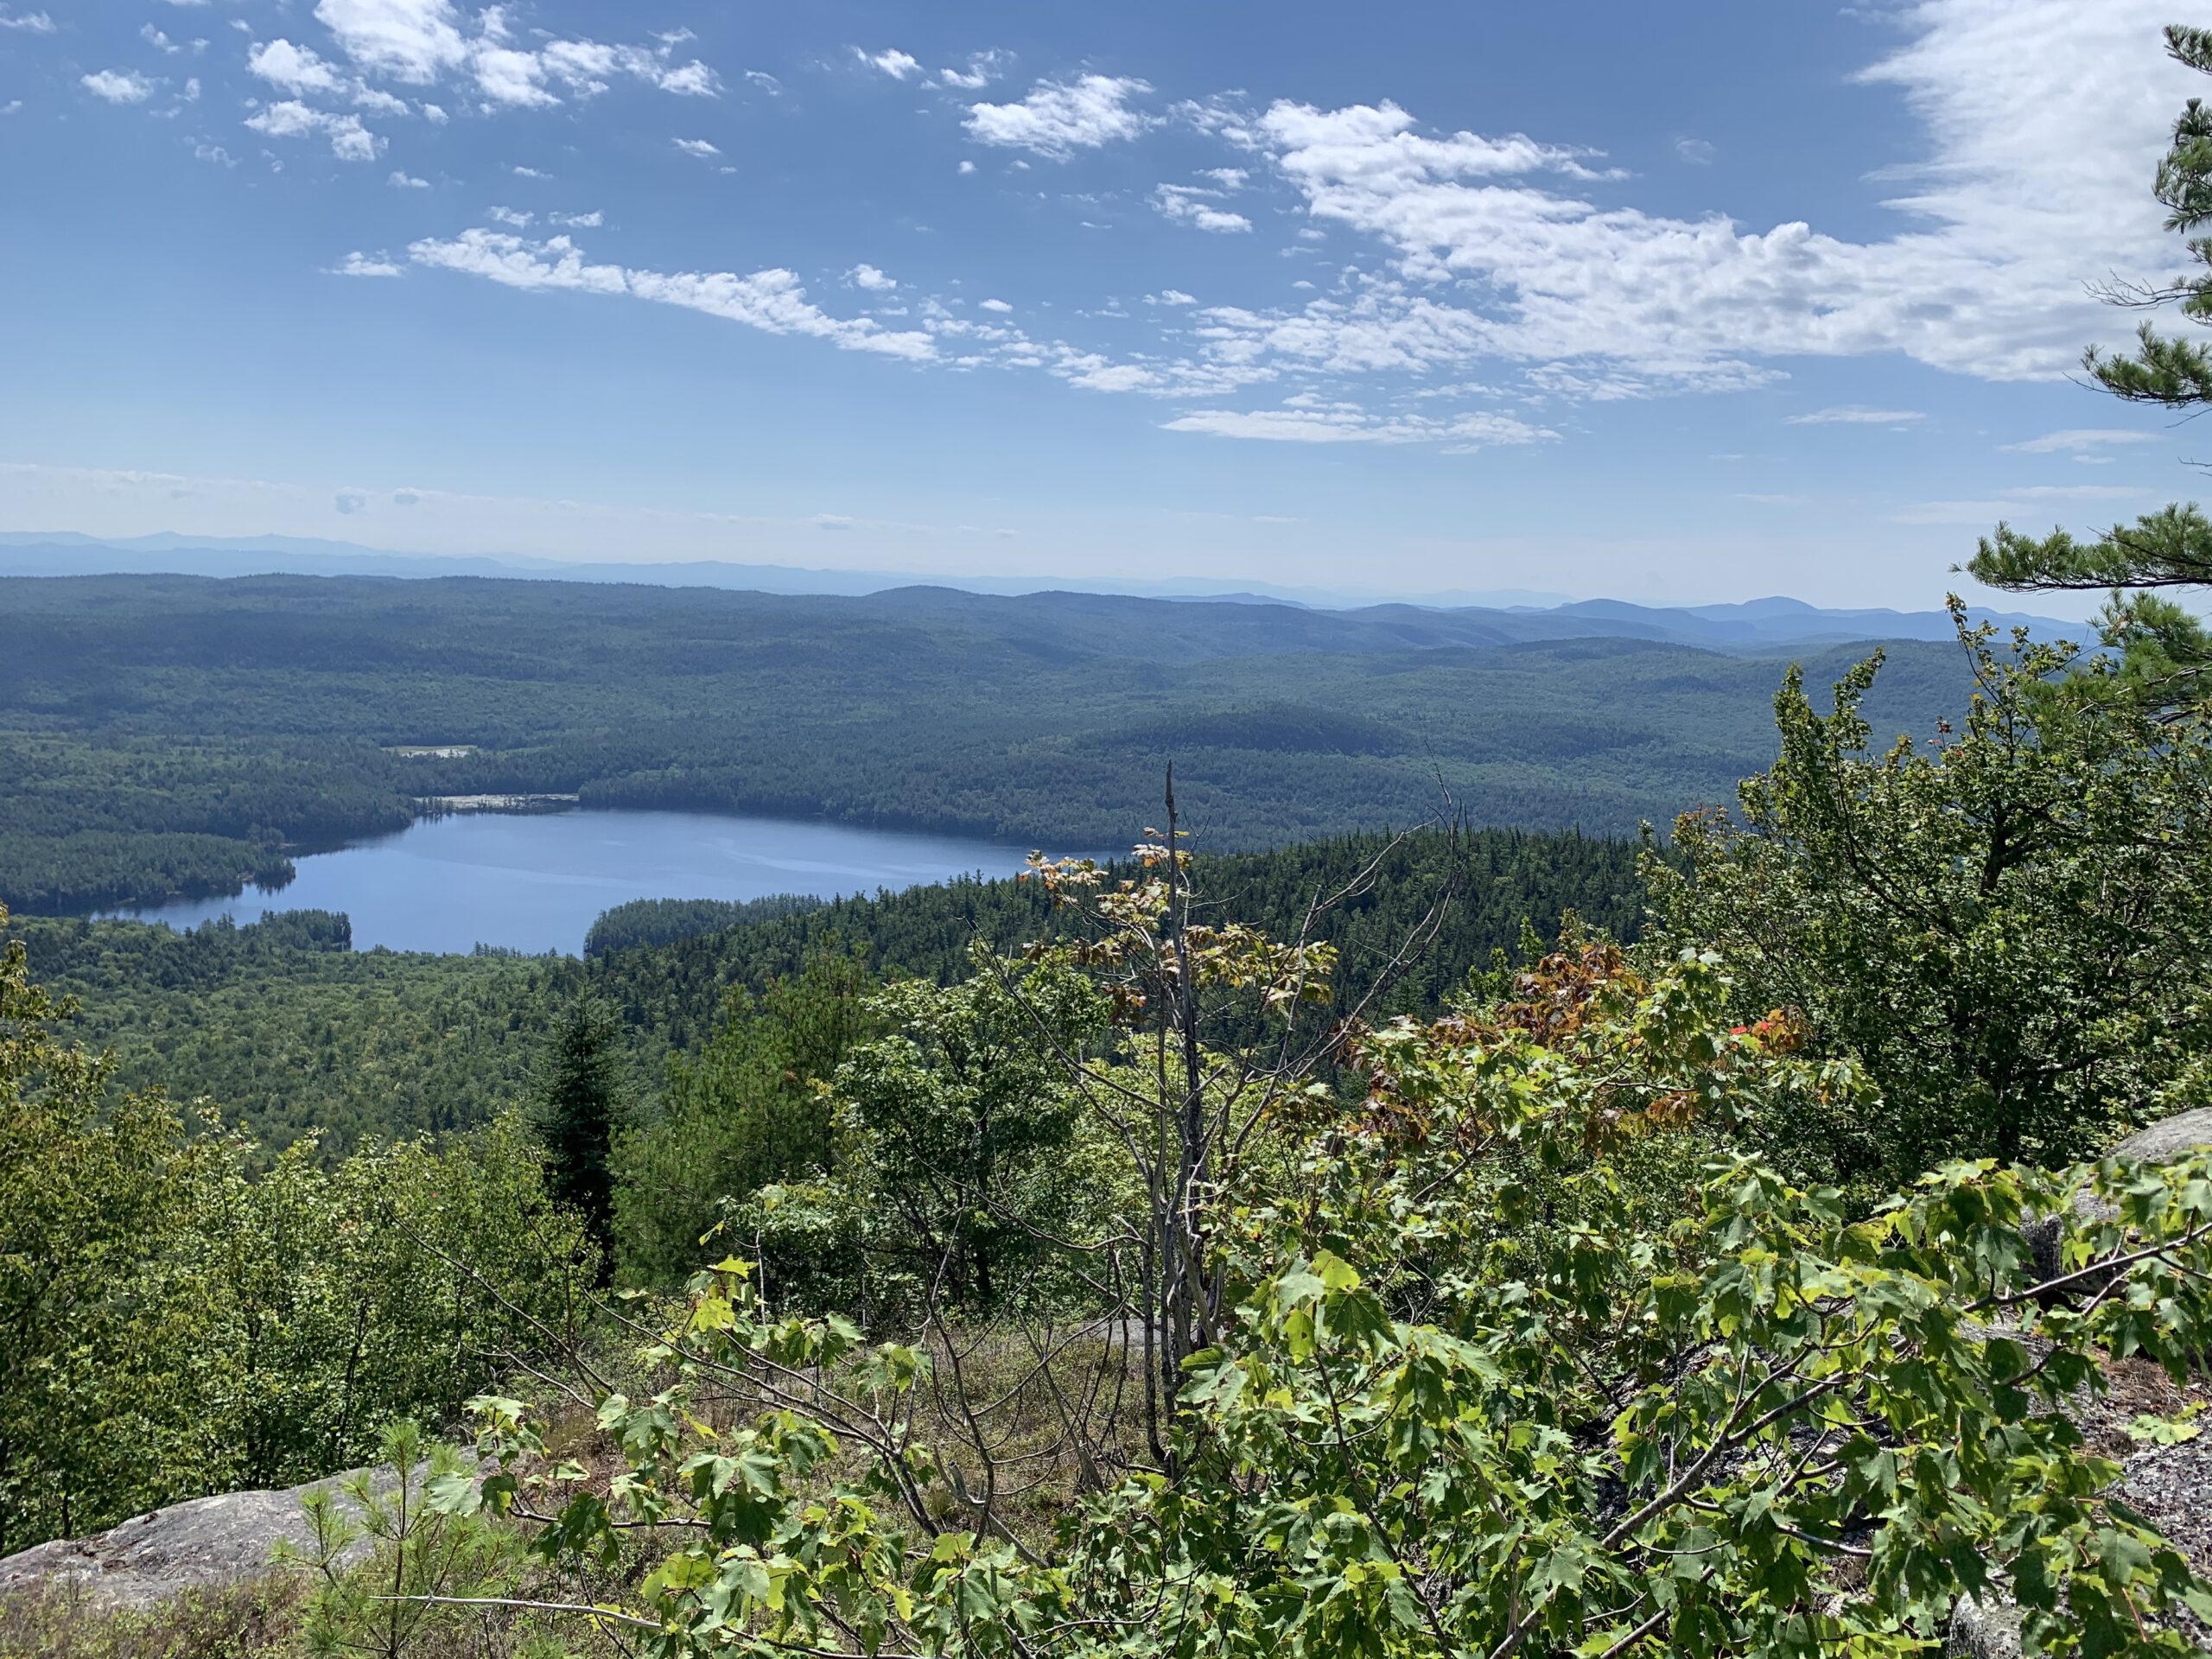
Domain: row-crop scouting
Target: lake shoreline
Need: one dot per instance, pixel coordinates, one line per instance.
(533, 880)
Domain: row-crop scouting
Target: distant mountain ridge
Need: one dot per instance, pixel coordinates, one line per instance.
(1506, 617)
(71, 553)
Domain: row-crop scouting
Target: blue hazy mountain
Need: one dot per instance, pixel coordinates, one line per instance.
(1333, 620)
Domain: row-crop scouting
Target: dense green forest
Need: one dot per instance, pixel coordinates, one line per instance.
(1788, 1237)
(662, 921)
(999, 1262)
(291, 1031)
(148, 714)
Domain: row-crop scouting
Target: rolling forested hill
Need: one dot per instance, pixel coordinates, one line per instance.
(169, 733)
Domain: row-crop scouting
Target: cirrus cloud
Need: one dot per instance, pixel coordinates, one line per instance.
(772, 301)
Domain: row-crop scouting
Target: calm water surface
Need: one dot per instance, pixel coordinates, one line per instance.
(535, 881)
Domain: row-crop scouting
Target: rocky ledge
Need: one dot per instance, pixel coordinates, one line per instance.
(206, 1543)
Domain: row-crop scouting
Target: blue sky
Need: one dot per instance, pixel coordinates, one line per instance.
(1669, 303)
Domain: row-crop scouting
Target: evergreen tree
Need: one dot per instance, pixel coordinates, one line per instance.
(2168, 649)
(579, 1108)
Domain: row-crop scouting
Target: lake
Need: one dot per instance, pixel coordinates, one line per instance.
(535, 881)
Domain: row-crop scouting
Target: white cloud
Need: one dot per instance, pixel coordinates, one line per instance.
(869, 278)
(413, 41)
(1189, 205)
(160, 41)
(2079, 441)
(590, 221)
(407, 182)
(982, 69)
(2002, 224)
(967, 166)
(1857, 414)
(423, 42)
(1171, 296)
(692, 79)
(1061, 116)
(695, 147)
(508, 216)
(895, 63)
(999, 305)
(295, 68)
(1349, 424)
(363, 265)
(1697, 153)
(522, 172)
(349, 140)
(434, 115)
(11, 106)
(773, 301)
(30, 23)
(118, 85)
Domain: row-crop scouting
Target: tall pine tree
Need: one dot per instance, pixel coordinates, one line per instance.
(580, 1107)
(2169, 650)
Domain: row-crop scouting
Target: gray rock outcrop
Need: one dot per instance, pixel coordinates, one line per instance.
(206, 1543)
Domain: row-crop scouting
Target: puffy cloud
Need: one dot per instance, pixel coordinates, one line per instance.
(695, 147)
(773, 301)
(30, 23)
(895, 63)
(362, 264)
(413, 41)
(998, 305)
(869, 278)
(1188, 205)
(1058, 117)
(422, 43)
(294, 68)
(1858, 415)
(2005, 220)
(118, 85)
(400, 181)
(1171, 296)
(1697, 153)
(349, 140)
(982, 69)
(508, 216)
(590, 221)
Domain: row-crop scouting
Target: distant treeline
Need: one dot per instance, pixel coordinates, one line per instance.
(663, 921)
(138, 712)
(292, 1030)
